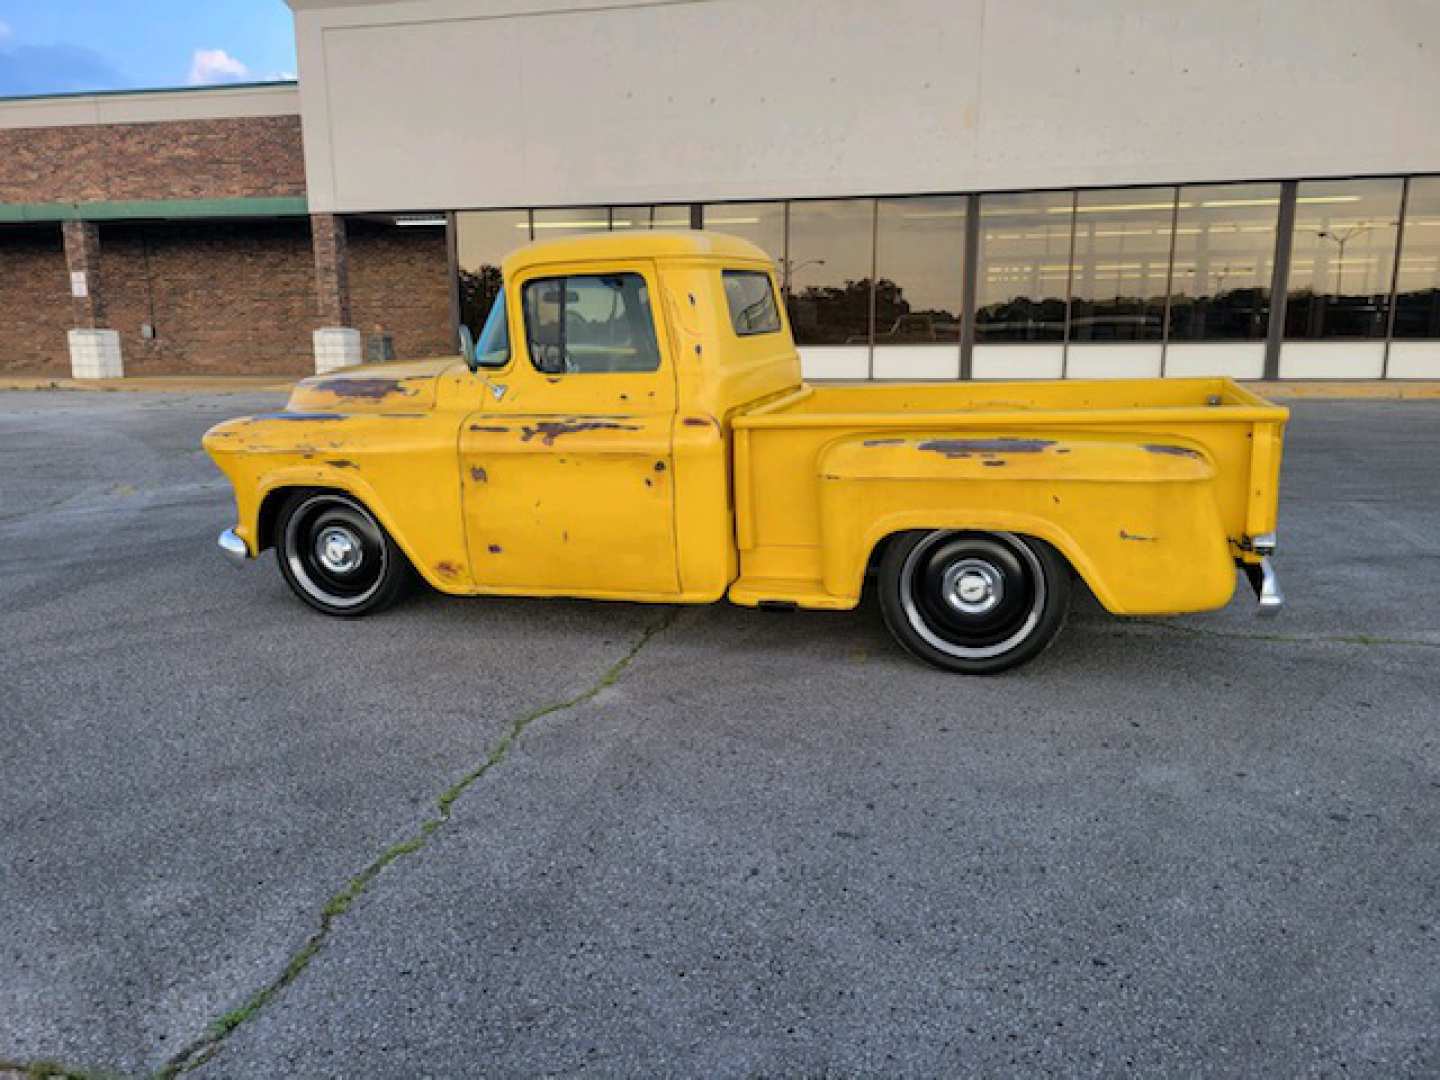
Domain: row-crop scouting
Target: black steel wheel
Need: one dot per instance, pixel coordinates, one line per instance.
(336, 556)
(973, 602)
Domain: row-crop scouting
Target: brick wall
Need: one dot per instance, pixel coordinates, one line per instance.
(400, 283)
(180, 159)
(225, 298)
(34, 302)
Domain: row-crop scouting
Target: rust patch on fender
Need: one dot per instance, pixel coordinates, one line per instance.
(994, 463)
(1174, 451)
(1137, 537)
(489, 427)
(550, 430)
(961, 448)
(447, 569)
(478, 474)
(373, 389)
(700, 421)
(341, 463)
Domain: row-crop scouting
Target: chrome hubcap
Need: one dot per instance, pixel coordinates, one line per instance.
(973, 586)
(339, 550)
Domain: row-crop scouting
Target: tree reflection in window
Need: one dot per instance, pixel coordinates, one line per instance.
(1224, 262)
(1024, 266)
(1342, 259)
(1417, 289)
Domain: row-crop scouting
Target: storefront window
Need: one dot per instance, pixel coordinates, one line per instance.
(1122, 257)
(1024, 267)
(919, 270)
(550, 224)
(1224, 261)
(826, 271)
(674, 216)
(482, 239)
(763, 224)
(1342, 259)
(1417, 289)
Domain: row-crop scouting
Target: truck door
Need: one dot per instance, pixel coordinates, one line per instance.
(568, 468)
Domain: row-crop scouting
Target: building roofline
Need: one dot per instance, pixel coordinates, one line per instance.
(226, 102)
(70, 95)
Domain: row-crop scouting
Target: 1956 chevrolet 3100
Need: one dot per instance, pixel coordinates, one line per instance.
(632, 425)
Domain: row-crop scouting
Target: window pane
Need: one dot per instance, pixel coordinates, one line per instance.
(482, 239)
(1122, 257)
(919, 270)
(1342, 258)
(826, 272)
(1224, 260)
(763, 224)
(675, 216)
(751, 300)
(550, 224)
(1024, 267)
(1417, 300)
(590, 323)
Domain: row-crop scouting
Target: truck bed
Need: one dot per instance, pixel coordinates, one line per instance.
(1125, 460)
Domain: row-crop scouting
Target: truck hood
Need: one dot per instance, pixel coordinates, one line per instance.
(408, 386)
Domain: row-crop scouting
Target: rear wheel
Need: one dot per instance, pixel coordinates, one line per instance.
(973, 602)
(336, 556)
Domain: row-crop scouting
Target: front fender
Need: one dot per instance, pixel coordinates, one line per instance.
(404, 468)
(1136, 517)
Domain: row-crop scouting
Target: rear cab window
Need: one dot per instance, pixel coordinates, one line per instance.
(751, 298)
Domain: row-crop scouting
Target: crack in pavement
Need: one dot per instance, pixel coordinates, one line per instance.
(205, 1047)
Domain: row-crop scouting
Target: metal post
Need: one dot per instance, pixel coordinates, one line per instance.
(1280, 279)
(971, 270)
(1395, 277)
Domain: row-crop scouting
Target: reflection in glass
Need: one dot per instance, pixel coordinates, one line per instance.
(1224, 259)
(1417, 289)
(1342, 259)
(482, 239)
(826, 271)
(919, 270)
(1122, 256)
(574, 221)
(675, 216)
(763, 224)
(1024, 266)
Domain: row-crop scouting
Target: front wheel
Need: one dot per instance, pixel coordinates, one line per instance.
(336, 556)
(973, 602)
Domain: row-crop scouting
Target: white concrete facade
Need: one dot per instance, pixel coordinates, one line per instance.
(589, 102)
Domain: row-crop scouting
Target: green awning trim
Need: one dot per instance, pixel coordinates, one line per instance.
(163, 209)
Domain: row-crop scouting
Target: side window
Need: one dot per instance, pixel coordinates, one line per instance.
(589, 323)
(752, 302)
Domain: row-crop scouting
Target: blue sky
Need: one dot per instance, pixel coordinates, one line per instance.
(60, 46)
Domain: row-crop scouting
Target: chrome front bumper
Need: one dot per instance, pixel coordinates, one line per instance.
(233, 548)
(1266, 585)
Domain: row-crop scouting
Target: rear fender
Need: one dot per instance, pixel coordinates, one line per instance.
(1135, 516)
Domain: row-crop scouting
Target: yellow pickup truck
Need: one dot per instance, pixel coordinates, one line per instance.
(632, 425)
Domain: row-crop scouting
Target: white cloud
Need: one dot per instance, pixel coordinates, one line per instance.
(5, 32)
(210, 66)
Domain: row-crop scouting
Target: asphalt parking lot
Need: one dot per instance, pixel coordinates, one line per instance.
(508, 837)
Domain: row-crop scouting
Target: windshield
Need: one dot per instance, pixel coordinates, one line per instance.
(493, 348)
